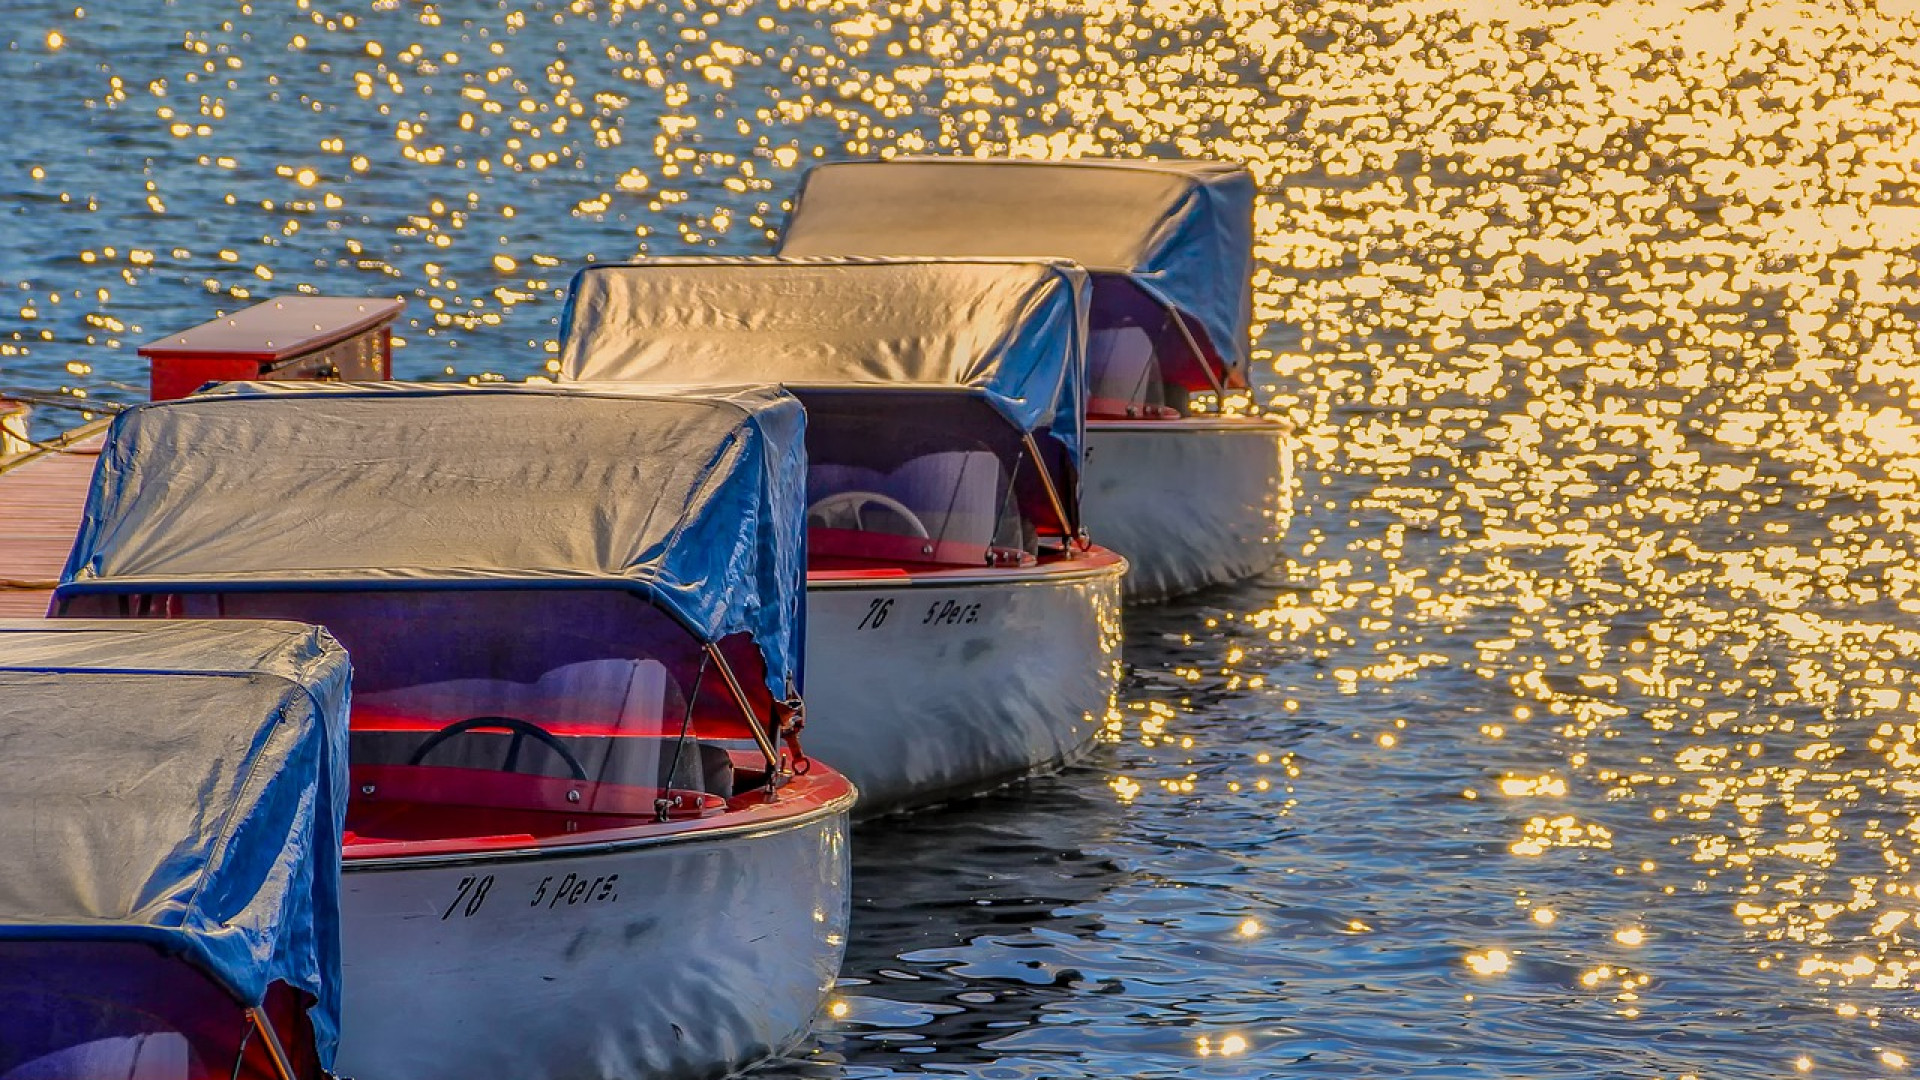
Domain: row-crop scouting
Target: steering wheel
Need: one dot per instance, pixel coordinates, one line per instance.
(521, 730)
(837, 510)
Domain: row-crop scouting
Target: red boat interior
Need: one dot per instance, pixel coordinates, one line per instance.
(921, 482)
(1144, 360)
(496, 718)
(91, 1010)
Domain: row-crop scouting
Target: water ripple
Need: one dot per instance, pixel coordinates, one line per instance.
(1577, 734)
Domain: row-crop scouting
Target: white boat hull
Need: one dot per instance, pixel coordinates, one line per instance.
(1190, 503)
(691, 957)
(947, 685)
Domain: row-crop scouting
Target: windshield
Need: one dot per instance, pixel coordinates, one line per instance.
(578, 700)
(907, 487)
(1139, 364)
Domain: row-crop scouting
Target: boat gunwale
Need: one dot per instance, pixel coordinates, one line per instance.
(1238, 424)
(1095, 562)
(686, 832)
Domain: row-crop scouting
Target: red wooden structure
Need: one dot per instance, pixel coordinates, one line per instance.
(294, 337)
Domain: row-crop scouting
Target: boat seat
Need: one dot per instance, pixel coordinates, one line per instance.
(609, 712)
(959, 488)
(625, 694)
(649, 762)
(1123, 373)
(640, 761)
(702, 767)
(155, 1056)
(954, 494)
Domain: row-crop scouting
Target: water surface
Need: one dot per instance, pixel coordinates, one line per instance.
(1576, 735)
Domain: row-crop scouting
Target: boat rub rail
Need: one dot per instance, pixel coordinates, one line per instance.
(1093, 562)
(803, 799)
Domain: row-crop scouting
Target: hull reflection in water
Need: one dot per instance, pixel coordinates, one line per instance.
(947, 684)
(968, 899)
(1190, 503)
(658, 958)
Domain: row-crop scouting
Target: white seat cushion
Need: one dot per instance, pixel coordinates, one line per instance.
(137, 1057)
(955, 492)
(629, 693)
(1121, 367)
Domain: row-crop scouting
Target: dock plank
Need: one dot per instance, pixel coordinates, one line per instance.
(41, 498)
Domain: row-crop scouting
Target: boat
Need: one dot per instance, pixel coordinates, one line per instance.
(962, 632)
(170, 820)
(581, 839)
(1182, 476)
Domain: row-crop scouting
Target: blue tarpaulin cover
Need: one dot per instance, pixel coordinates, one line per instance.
(182, 784)
(1182, 230)
(694, 498)
(1008, 331)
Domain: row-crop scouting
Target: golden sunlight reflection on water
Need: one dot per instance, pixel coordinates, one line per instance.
(1597, 320)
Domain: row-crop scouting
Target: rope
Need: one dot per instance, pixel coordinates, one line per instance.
(63, 443)
(53, 447)
(62, 401)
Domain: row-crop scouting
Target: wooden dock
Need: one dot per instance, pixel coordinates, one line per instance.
(41, 495)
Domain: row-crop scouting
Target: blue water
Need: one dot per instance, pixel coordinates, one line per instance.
(1575, 735)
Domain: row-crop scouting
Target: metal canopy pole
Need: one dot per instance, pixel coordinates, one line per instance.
(282, 1064)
